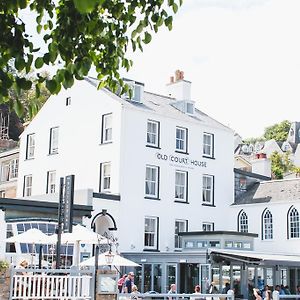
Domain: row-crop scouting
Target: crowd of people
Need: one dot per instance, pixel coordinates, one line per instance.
(269, 294)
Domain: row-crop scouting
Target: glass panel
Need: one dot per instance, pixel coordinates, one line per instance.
(157, 271)
(260, 278)
(225, 279)
(171, 276)
(216, 277)
(236, 274)
(204, 278)
(147, 277)
(269, 273)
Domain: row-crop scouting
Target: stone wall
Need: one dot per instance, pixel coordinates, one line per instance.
(4, 286)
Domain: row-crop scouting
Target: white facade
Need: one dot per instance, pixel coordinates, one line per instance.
(81, 150)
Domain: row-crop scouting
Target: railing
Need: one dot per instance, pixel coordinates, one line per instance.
(51, 284)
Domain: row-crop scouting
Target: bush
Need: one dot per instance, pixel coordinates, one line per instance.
(4, 265)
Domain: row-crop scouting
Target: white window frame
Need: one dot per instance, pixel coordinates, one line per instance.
(208, 189)
(208, 144)
(207, 226)
(51, 182)
(294, 223)
(267, 225)
(153, 133)
(5, 170)
(106, 128)
(105, 177)
(181, 185)
(14, 168)
(30, 147)
(152, 182)
(27, 191)
(150, 232)
(53, 147)
(9, 170)
(181, 139)
(243, 222)
(180, 226)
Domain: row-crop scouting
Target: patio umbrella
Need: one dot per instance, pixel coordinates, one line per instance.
(118, 260)
(31, 236)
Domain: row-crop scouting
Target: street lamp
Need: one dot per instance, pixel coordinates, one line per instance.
(109, 256)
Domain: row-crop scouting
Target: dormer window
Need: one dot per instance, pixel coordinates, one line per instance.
(136, 91)
(187, 107)
(190, 107)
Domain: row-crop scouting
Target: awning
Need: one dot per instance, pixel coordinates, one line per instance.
(253, 257)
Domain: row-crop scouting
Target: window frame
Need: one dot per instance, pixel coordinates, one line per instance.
(206, 190)
(154, 232)
(30, 146)
(178, 243)
(156, 134)
(26, 187)
(107, 130)
(293, 234)
(185, 193)
(211, 145)
(156, 182)
(209, 224)
(50, 184)
(103, 178)
(243, 227)
(184, 140)
(53, 143)
(267, 225)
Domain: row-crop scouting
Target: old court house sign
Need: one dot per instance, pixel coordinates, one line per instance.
(183, 161)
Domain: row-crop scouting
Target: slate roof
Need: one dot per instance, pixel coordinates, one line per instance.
(271, 191)
(162, 105)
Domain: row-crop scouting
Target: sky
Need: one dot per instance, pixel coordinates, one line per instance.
(242, 57)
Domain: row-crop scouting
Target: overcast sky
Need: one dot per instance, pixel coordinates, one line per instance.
(242, 56)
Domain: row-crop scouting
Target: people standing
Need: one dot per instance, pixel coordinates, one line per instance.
(197, 291)
(172, 290)
(121, 283)
(135, 292)
(257, 294)
(275, 294)
(129, 283)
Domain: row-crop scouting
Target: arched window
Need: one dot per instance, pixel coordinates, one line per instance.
(243, 222)
(294, 223)
(267, 225)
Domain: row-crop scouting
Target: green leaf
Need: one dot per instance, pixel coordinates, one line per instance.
(20, 63)
(29, 62)
(147, 38)
(39, 62)
(39, 28)
(175, 7)
(51, 85)
(18, 107)
(23, 84)
(85, 6)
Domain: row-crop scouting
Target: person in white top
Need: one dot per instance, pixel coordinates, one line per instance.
(275, 294)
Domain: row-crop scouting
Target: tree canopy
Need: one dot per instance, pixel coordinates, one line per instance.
(76, 35)
(280, 164)
(278, 132)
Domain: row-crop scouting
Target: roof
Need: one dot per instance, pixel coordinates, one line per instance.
(250, 174)
(162, 105)
(271, 191)
(259, 258)
(192, 233)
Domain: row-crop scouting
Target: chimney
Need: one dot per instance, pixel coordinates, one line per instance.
(179, 88)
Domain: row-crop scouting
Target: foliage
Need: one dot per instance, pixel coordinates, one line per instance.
(74, 36)
(4, 265)
(280, 164)
(253, 140)
(278, 132)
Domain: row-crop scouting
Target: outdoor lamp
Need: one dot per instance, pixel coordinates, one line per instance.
(109, 257)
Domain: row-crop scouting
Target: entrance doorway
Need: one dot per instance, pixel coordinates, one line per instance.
(189, 277)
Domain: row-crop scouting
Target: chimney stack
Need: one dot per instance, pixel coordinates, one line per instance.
(179, 88)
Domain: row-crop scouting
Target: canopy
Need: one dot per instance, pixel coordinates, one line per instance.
(257, 258)
(31, 236)
(82, 234)
(117, 261)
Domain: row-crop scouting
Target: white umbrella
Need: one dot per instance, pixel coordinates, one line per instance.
(117, 261)
(31, 236)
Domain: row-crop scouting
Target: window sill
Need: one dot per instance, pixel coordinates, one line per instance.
(54, 153)
(182, 152)
(151, 198)
(105, 143)
(107, 196)
(30, 158)
(207, 204)
(183, 202)
(151, 250)
(152, 146)
(208, 157)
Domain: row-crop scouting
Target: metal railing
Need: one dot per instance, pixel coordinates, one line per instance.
(51, 284)
(166, 296)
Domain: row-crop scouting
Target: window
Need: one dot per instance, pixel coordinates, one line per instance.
(106, 128)
(243, 222)
(153, 133)
(180, 226)
(208, 144)
(27, 191)
(152, 181)
(181, 186)
(51, 180)
(30, 146)
(105, 177)
(267, 226)
(53, 149)
(68, 101)
(208, 189)
(207, 226)
(2, 194)
(9, 170)
(181, 139)
(151, 232)
(294, 223)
